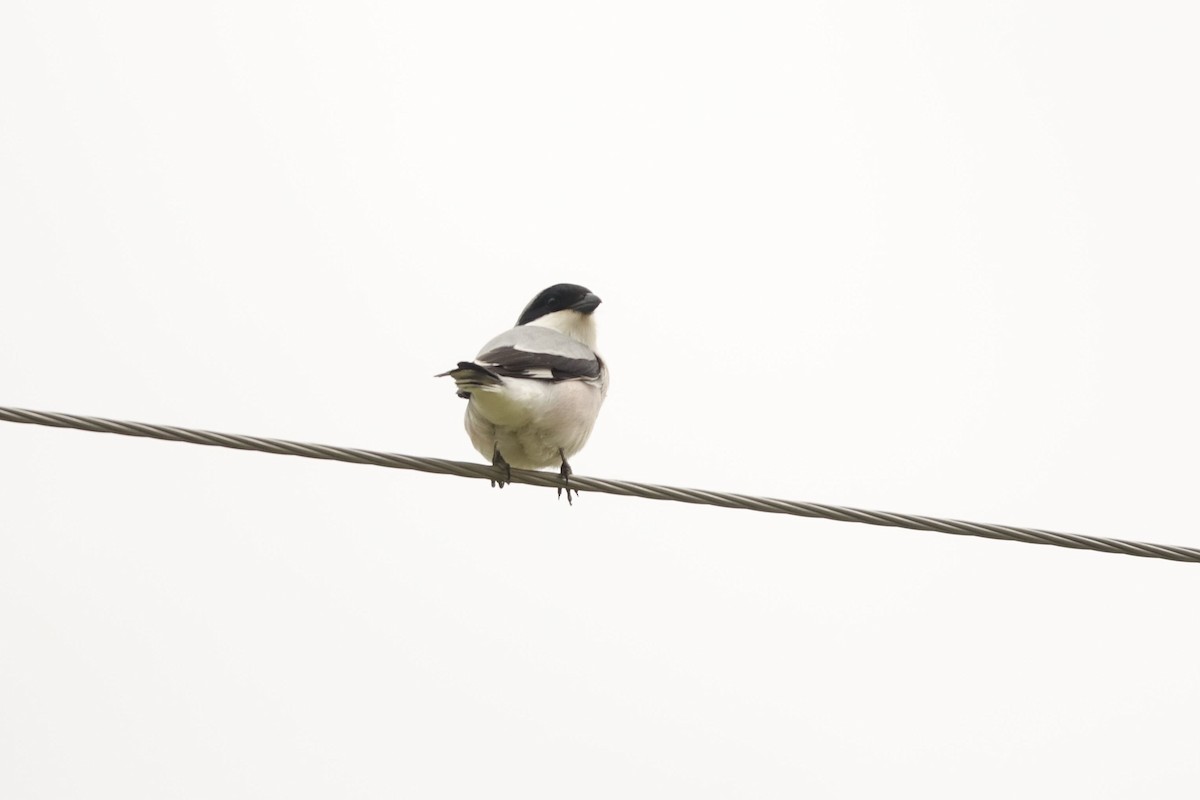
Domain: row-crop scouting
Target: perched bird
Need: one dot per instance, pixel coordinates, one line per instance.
(534, 391)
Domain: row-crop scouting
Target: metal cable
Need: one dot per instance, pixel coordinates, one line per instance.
(627, 488)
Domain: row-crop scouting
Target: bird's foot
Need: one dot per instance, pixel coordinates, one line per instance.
(566, 476)
(499, 463)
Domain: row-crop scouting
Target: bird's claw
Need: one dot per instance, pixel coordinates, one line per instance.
(566, 477)
(506, 471)
(505, 475)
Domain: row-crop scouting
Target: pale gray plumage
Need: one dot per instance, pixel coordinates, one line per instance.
(535, 390)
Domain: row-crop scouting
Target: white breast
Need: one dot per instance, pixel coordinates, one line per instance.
(532, 421)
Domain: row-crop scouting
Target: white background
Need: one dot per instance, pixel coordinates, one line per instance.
(933, 257)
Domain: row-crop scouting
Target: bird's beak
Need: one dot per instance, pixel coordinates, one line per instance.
(588, 304)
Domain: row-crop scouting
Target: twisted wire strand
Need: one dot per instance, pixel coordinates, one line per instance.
(626, 488)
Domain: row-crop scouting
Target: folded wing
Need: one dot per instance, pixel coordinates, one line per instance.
(538, 353)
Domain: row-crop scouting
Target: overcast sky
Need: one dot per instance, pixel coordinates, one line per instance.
(936, 258)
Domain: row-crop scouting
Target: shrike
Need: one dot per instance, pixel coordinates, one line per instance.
(534, 391)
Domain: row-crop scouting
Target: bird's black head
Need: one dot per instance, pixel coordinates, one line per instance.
(559, 297)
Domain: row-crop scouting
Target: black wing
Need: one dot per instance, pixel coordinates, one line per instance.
(512, 362)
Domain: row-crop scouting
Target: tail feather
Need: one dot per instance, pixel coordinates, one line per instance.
(470, 377)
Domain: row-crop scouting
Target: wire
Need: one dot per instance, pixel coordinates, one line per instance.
(626, 488)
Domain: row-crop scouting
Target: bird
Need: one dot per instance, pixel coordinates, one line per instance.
(533, 393)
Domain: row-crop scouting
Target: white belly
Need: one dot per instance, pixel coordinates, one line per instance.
(534, 424)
